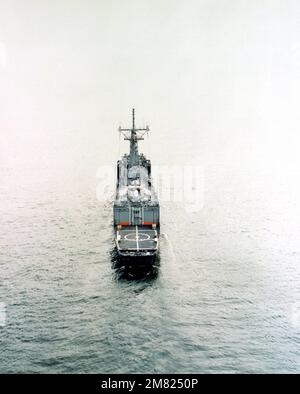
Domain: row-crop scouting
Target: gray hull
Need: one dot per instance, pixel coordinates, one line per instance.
(136, 207)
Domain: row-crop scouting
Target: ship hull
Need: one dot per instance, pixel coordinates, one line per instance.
(136, 206)
(137, 267)
(137, 261)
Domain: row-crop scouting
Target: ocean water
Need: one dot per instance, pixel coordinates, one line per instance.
(219, 82)
(223, 297)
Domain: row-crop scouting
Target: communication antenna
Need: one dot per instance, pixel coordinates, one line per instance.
(134, 135)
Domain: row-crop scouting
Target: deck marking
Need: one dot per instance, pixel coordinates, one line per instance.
(141, 236)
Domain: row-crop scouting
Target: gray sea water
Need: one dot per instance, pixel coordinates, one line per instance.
(224, 296)
(219, 83)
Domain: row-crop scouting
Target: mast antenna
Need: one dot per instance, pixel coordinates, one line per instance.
(133, 118)
(134, 135)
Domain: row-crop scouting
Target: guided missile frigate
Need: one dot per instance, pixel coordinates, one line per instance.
(136, 207)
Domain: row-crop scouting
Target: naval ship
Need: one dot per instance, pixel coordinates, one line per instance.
(136, 206)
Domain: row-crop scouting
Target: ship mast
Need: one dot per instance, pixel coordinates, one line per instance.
(133, 135)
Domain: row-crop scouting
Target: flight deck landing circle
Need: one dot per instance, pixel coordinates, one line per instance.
(140, 237)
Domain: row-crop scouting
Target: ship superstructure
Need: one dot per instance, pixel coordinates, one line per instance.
(136, 207)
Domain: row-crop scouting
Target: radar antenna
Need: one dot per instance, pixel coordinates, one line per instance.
(134, 135)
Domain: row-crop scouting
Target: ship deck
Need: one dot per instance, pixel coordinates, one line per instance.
(137, 238)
